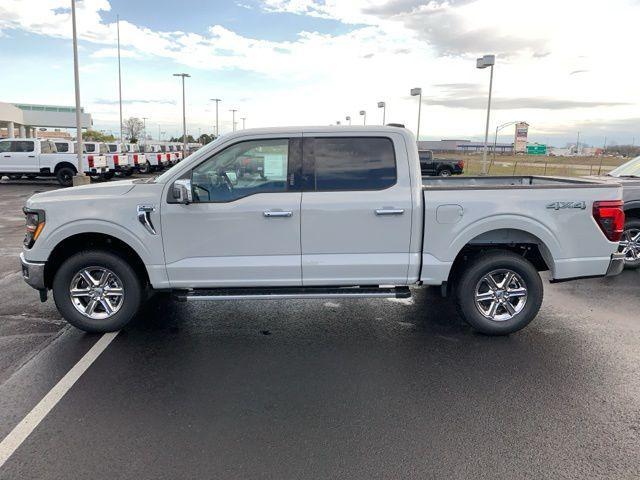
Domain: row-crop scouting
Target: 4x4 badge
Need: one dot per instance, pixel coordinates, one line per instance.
(563, 205)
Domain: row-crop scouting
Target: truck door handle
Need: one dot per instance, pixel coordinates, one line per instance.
(389, 211)
(278, 213)
(32, 156)
(7, 156)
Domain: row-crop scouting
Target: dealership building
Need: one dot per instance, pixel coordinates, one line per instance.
(24, 120)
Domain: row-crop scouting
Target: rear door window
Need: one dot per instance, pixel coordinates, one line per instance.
(62, 147)
(349, 163)
(22, 146)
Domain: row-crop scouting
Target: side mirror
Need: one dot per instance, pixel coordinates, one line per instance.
(182, 192)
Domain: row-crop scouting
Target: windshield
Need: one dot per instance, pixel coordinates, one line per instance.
(629, 169)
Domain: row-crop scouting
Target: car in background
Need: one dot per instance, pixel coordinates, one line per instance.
(118, 160)
(442, 167)
(155, 156)
(136, 158)
(628, 175)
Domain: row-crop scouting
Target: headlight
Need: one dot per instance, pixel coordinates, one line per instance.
(34, 226)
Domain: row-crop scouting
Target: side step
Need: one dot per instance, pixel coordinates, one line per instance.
(281, 293)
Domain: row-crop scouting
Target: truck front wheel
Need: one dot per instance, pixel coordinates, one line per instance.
(97, 291)
(499, 292)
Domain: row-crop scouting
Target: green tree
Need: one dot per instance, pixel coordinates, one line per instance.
(95, 136)
(133, 129)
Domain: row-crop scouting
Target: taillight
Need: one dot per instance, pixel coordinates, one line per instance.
(135, 158)
(609, 216)
(90, 159)
(116, 160)
(168, 156)
(159, 157)
(34, 225)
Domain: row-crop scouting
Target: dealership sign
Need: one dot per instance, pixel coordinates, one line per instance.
(520, 142)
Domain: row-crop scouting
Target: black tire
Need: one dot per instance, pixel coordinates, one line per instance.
(32, 176)
(445, 172)
(631, 230)
(128, 173)
(145, 167)
(471, 277)
(107, 176)
(131, 285)
(65, 176)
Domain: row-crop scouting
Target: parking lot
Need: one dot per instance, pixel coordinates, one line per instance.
(323, 389)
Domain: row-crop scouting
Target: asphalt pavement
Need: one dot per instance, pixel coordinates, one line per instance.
(323, 389)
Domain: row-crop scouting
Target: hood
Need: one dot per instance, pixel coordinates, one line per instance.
(92, 191)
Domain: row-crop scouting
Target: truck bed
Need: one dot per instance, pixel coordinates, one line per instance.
(475, 183)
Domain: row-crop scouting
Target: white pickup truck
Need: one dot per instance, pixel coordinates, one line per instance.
(331, 212)
(94, 155)
(37, 157)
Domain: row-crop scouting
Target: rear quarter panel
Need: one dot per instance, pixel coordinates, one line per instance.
(569, 238)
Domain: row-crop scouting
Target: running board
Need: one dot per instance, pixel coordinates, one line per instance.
(291, 293)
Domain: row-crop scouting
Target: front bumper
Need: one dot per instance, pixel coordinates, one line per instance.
(616, 264)
(33, 273)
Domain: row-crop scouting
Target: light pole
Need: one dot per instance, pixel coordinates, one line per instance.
(184, 115)
(383, 106)
(119, 75)
(418, 92)
(495, 139)
(79, 178)
(243, 121)
(364, 117)
(484, 62)
(348, 119)
(217, 100)
(233, 115)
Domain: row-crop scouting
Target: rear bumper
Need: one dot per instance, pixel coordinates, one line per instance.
(616, 265)
(33, 273)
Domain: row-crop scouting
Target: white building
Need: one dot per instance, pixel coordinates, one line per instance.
(22, 120)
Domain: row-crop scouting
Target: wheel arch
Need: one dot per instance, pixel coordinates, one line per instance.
(92, 241)
(64, 164)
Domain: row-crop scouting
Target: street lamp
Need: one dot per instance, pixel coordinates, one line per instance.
(233, 113)
(217, 100)
(184, 115)
(348, 119)
(364, 116)
(243, 121)
(484, 62)
(79, 178)
(418, 92)
(383, 106)
(495, 139)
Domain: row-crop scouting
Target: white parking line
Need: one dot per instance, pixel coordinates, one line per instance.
(29, 423)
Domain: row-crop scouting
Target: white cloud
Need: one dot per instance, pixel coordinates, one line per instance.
(391, 47)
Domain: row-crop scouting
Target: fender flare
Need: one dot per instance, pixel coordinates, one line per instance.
(54, 238)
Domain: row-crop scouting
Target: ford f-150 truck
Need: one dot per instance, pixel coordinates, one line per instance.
(442, 167)
(37, 157)
(335, 212)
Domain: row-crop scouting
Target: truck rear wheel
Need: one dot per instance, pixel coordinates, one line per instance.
(97, 291)
(499, 293)
(65, 176)
(630, 243)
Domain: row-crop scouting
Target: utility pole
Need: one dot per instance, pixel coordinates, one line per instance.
(119, 75)
(184, 115)
(243, 121)
(79, 178)
(217, 100)
(578, 145)
(233, 113)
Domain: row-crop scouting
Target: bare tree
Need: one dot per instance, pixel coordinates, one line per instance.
(133, 128)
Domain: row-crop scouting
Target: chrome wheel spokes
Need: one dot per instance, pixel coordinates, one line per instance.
(500, 295)
(630, 244)
(96, 292)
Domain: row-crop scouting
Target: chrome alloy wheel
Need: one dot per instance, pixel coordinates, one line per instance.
(96, 292)
(630, 244)
(500, 295)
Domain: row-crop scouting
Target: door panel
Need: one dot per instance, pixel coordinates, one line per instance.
(356, 237)
(233, 244)
(243, 228)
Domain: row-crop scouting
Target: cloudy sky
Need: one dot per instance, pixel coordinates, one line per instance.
(562, 65)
